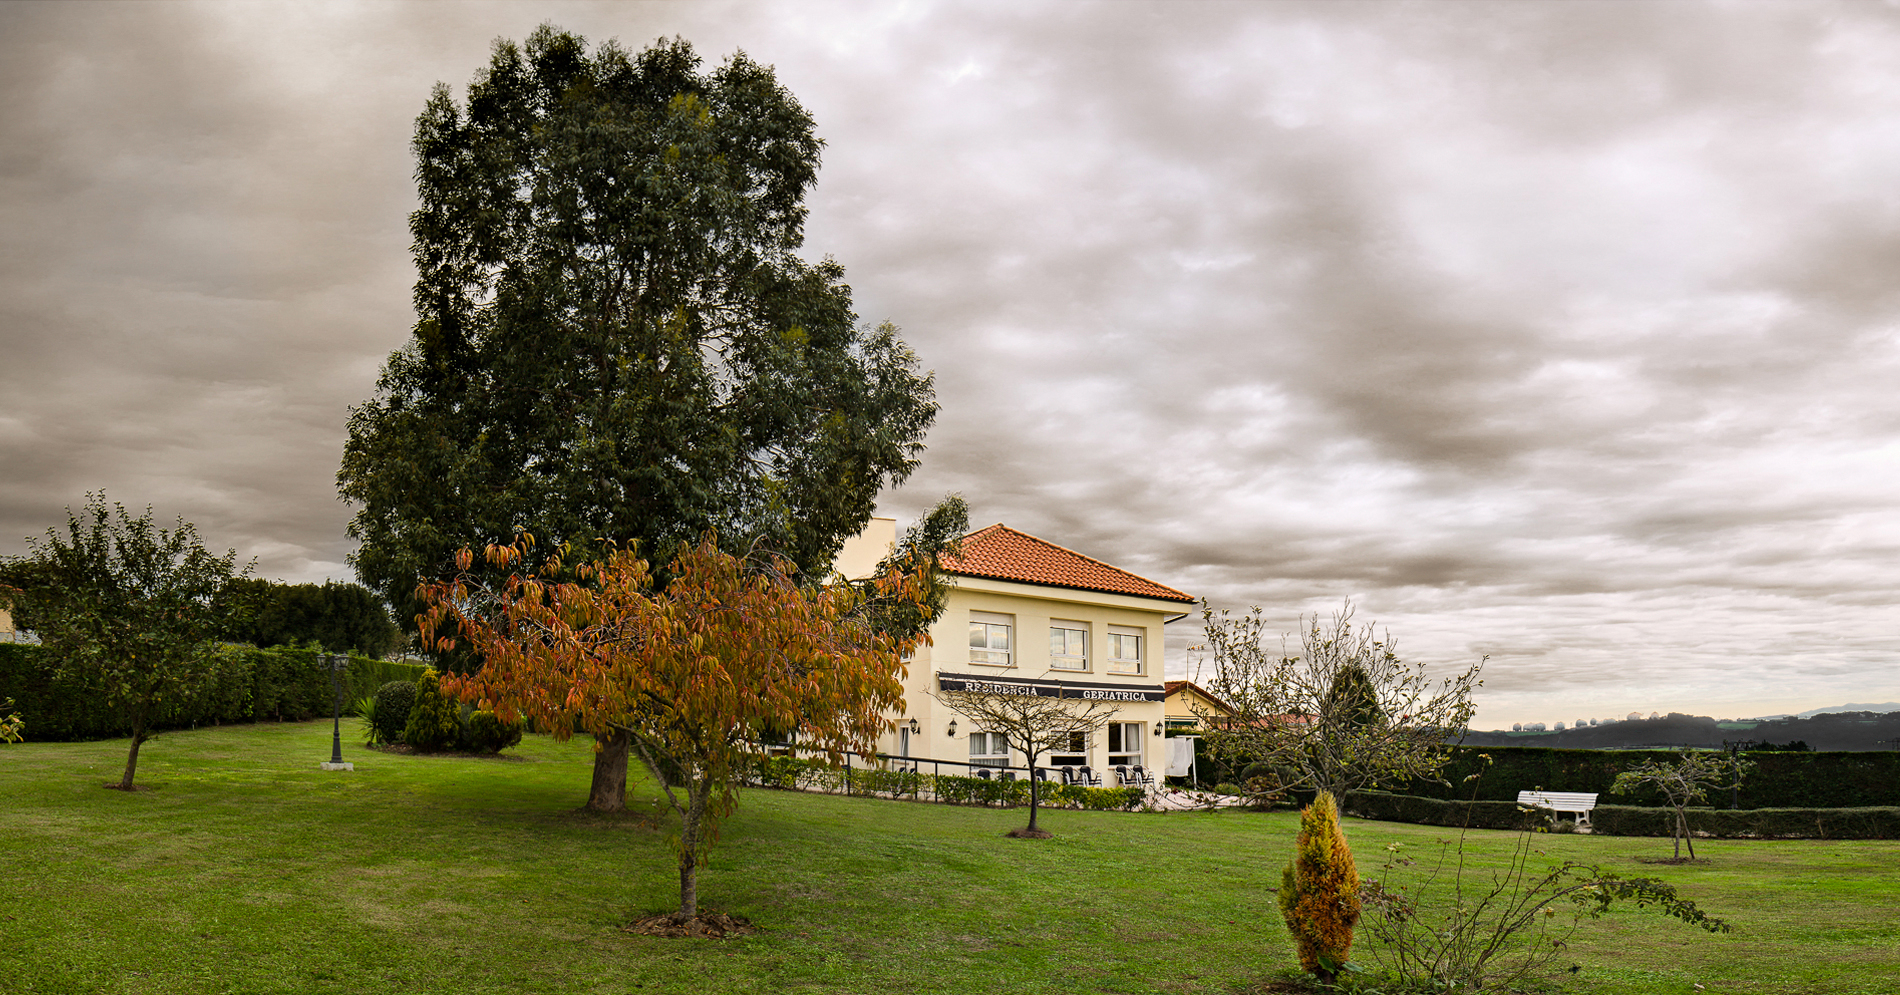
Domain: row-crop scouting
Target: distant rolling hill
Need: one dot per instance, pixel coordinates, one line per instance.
(1851, 727)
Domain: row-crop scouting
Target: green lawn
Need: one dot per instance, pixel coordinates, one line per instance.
(249, 870)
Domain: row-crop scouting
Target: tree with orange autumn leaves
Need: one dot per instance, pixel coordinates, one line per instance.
(691, 676)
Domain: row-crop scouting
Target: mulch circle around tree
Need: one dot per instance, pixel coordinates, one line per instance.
(116, 786)
(1672, 860)
(1027, 834)
(709, 924)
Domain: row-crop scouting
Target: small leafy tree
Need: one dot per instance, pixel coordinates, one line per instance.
(1035, 725)
(688, 676)
(1319, 891)
(129, 610)
(1344, 713)
(1683, 781)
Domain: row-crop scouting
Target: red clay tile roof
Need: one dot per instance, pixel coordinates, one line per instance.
(1002, 553)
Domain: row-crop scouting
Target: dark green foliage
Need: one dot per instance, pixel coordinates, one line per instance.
(394, 701)
(435, 721)
(234, 684)
(1778, 780)
(616, 339)
(484, 733)
(341, 618)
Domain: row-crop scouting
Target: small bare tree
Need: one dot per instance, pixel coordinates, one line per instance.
(1032, 723)
(1684, 780)
(1345, 711)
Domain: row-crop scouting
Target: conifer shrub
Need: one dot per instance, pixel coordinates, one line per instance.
(435, 722)
(394, 701)
(1319, 891)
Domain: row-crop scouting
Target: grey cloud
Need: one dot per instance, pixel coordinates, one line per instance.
(1554, 331)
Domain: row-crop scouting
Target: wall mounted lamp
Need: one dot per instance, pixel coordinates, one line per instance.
(953, 729)
(1160, 727)
(916, 727)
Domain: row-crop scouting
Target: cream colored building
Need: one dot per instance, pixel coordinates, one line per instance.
(1038, 619)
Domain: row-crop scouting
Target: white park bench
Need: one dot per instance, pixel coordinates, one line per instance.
(1579, 802)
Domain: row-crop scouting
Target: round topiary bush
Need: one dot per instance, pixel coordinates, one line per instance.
(393, 703)
(486, 733)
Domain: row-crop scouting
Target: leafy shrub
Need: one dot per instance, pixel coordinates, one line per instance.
(435, 723)
(1228, 788)
(981, 791)
(895, 783)
(485, 732)
(782, 772)
(394, 701)
(1093, 799)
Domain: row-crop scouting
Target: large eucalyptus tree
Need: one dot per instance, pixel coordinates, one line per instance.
(616, 339)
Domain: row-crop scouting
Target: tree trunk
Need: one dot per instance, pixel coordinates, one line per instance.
(692, 828)
(1687, 840)
(609, 790)
(141, 723)
(1035, 791)
(132, 760)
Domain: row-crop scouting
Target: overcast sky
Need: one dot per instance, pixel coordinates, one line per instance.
(1564, 333)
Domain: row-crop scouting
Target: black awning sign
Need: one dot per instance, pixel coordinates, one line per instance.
(1050, 689)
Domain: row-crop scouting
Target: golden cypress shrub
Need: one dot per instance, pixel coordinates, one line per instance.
(1319, 891)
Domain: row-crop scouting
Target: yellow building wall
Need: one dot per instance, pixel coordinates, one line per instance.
(1032, 607)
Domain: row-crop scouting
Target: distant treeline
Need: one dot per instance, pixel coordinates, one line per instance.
(1852, 731)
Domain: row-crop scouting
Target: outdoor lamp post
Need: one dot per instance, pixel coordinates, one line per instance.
(338, 663)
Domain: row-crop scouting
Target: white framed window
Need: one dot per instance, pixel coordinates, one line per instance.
(989, 639)
(1068, 645)
(1125, 649)
(1124, 743)
(989, 749)
(1070, 751)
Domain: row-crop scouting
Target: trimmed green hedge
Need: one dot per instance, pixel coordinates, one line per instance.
(1779, 780)
(246, 684)
(1387, 807)
(1866, 823)
(1869, 823)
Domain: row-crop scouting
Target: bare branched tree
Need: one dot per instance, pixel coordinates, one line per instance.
(1033, 724)
(1345, 712)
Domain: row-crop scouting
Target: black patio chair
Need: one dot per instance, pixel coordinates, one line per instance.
(1088, 777)
(983, 772)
